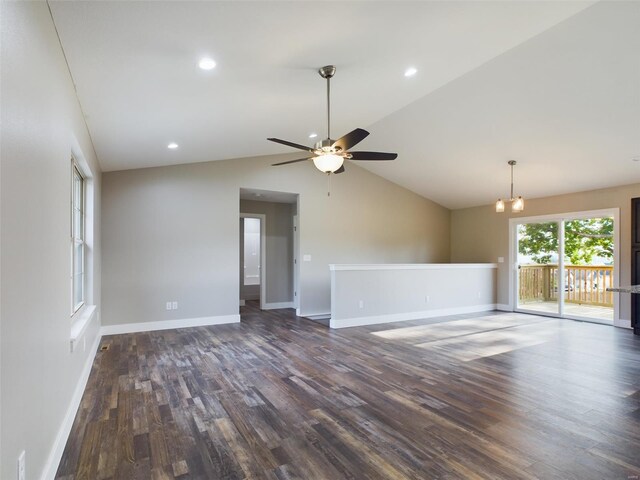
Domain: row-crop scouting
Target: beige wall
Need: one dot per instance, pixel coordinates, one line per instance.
(278, 259)
(171, 233)
(41, 125)
(481, 235)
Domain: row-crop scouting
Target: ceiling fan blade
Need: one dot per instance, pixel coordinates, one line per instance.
(291, 161)
(373, 156)
(351, 139)
(340, 170)
(290, 144)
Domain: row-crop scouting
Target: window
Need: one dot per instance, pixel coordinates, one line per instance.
(77, 238)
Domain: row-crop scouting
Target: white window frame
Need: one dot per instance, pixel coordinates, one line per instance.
(80, 238)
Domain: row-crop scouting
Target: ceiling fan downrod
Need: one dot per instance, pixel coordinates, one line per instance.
(327, 72)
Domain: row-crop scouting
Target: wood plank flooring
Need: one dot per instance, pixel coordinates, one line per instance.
(496, 396)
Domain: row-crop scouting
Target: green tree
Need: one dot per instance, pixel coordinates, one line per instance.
(584, 239)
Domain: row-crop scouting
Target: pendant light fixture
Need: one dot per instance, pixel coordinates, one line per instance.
(517, 204)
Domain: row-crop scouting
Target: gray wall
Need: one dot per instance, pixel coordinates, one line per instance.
(481, 235)
(370, 294)
(171, 233)
(41, 125)
(278, 259)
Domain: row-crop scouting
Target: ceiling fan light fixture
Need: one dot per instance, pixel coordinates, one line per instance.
(328, 163)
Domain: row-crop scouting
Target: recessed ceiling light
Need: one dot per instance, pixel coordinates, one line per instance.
(410, 72)
(313, 135)
(172, 146)
(207, 63)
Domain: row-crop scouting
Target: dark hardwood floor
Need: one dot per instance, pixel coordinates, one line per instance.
(278, 397)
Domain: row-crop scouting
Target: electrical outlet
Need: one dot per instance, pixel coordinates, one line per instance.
(168, 305)
(21, 466)
(479, 295)
(174, 305)
(427, 299)
(500, 259)
(361, 304)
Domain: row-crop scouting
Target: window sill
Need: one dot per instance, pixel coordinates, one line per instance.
(79, 323)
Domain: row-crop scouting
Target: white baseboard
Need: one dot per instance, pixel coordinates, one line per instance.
(503, 307)
(51, 467)
(315, 316)
(402, 317)
(277, 305)
(622, 323)
(168, 324)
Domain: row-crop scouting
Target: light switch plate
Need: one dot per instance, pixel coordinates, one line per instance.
(306, 258)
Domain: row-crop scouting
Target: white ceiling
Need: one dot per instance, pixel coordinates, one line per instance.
(555, 85)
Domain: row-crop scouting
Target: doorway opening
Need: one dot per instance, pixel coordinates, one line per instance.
(268, 249)
(564, 264)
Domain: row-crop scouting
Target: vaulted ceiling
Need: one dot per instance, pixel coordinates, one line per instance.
(554, 85)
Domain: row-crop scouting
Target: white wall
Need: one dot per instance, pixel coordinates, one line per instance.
(480, 234)
(171, 233)
(41, 125)
(370, 294)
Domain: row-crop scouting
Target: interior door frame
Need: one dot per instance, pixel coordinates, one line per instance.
(296, 264)
(263, 260)
(561, 218)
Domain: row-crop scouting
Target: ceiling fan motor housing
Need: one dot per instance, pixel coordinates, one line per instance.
(327, 142)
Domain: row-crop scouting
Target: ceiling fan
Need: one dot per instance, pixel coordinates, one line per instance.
(329, 155)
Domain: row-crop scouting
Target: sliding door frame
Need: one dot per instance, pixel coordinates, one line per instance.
(561, 218)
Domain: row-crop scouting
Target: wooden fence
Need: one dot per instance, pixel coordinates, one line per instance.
(584, 285)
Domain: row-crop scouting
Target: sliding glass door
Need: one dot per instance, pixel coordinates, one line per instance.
(538, 268)
(588, 268)
(564, 266)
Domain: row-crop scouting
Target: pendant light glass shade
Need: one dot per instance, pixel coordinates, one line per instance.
(500, 206)
(517, 205)
(328, 163)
